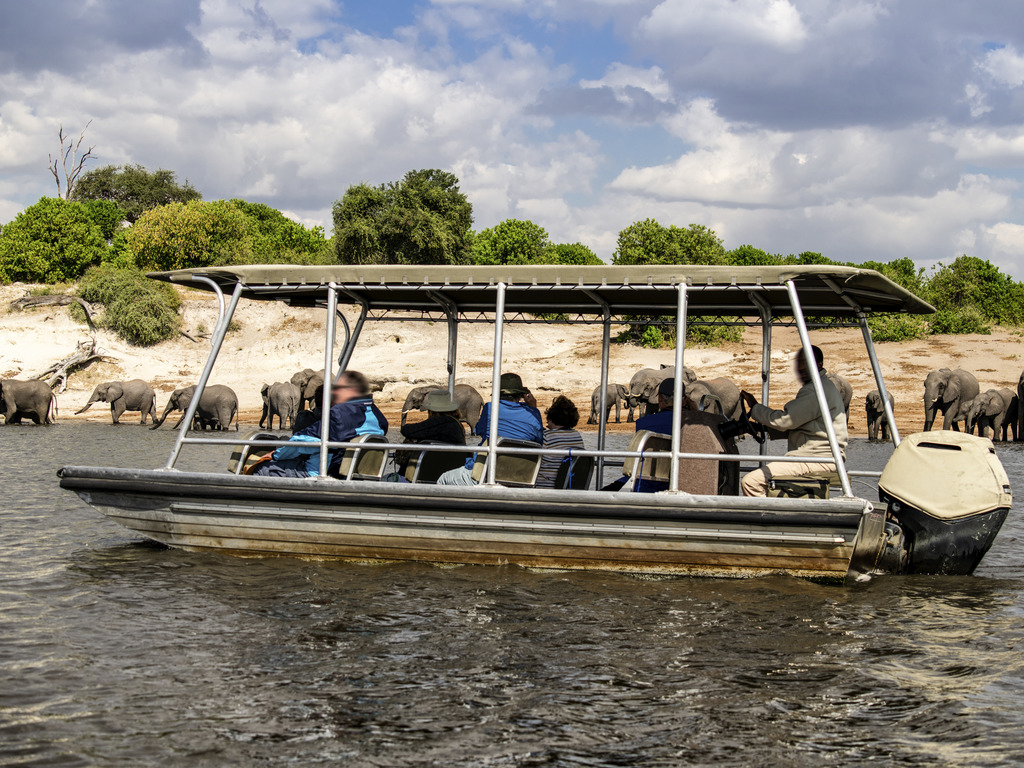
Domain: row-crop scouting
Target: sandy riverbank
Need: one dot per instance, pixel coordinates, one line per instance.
(273, 341)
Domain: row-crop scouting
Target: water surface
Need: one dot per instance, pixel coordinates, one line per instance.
(114, 651)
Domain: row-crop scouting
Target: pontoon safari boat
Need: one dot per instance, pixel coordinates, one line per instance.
(943, 495)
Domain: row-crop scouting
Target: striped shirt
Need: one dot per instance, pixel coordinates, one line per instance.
(556, 438)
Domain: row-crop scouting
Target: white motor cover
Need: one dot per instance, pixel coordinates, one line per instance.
(947, 474)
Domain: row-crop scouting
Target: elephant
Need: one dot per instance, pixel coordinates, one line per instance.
(1020, 411)
(995, 410)
(727, 393)
(217, 407)
(616, 395)
(669, 371)
(947, 392)
(876, 415)
(281, 399)
(134, 395)
(466, 397)
(31, 399)
(309, 381)
(845, 390)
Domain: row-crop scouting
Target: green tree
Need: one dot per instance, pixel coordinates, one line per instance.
(133, 188)
(106, 215)
(648, 242)
(141, 311)
(422, 219)
(277, 239)
(49, 242)
(572, 253)
(749, 256)
(195, 234)
(973, 283)
(513, 241)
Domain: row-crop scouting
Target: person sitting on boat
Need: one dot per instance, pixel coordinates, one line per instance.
(561, 419)
(442, 425)
(660, 422)
(801, 418)
(352, 413)
(518, 419)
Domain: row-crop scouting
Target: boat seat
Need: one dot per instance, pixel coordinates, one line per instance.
(513, 470)
(574, 474)
(426, 465)
(813, 485)
(699, 434)
(243, 457)
(363, 463)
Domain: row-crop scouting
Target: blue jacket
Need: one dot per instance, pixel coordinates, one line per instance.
(660, 422)
(350, 419)
(516, 421)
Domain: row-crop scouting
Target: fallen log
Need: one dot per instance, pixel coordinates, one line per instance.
(85, 354)
(56, 299)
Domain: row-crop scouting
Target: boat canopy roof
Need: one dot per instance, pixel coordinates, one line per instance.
(722, 291)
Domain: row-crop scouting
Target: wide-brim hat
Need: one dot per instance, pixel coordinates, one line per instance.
(439, 401)
(512, 384)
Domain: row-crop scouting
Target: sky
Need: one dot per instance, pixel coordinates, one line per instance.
(858, 129)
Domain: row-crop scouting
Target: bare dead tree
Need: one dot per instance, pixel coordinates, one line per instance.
(69, 162)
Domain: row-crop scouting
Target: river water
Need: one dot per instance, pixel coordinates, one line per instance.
(117, 652)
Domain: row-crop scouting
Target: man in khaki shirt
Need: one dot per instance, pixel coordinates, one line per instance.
(801, 419)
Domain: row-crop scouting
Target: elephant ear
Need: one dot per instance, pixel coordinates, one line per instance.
(264, 388)
(114, 391)
(952, 389)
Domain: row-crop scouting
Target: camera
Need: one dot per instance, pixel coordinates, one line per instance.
(731, 429)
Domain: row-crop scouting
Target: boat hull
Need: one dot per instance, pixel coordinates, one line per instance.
(642, 533)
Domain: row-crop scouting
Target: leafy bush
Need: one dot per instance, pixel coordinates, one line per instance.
(51, 241)
(961, 320)
(194, 234)
(712, 335)
(571, 253)
(276, 239)
(652, 337)
(897, 327)
(141, 311)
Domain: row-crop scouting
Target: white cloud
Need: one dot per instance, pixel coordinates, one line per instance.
(770, 22)
(621, 77)
(1005, 66)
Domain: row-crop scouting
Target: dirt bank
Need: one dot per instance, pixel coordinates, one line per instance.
(272, 341)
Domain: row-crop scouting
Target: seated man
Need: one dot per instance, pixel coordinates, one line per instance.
(442, 425)
(801, 418)
(660, 422)
(352, 413)
(518, 419)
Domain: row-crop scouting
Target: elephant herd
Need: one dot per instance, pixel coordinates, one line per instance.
(956, 394)
(953, 393)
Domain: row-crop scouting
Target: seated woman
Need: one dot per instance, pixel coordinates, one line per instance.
(560, 419)
(442, 425)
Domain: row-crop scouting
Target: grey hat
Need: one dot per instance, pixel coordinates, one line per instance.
(439, 401)
(512, 384)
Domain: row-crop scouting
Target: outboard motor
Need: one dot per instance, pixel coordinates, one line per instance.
(949, 494)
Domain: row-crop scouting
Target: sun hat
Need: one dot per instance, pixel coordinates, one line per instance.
(439, 401)
(512, 384)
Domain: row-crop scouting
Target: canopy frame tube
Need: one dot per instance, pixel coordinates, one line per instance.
(819, 391)
(876, 368)
(364, 307)
(218, 339)
(451, 311)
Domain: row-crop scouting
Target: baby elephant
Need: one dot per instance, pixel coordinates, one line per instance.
(876, 415)
(995, 413)
(617, 394)
(134, 395)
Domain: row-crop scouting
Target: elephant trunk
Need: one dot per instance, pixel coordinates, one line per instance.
(929, 415)
(85, 407)
(157, 422)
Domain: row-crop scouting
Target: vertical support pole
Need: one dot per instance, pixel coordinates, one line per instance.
(602, 427)
(677, 389)
(766, 363)
(492, 436)
(812, 368)
(346, 353)
(453, 348)
(890, 417)
(325, 402)
(218, 340)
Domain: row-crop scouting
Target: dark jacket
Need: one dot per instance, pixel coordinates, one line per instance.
(350, 419)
